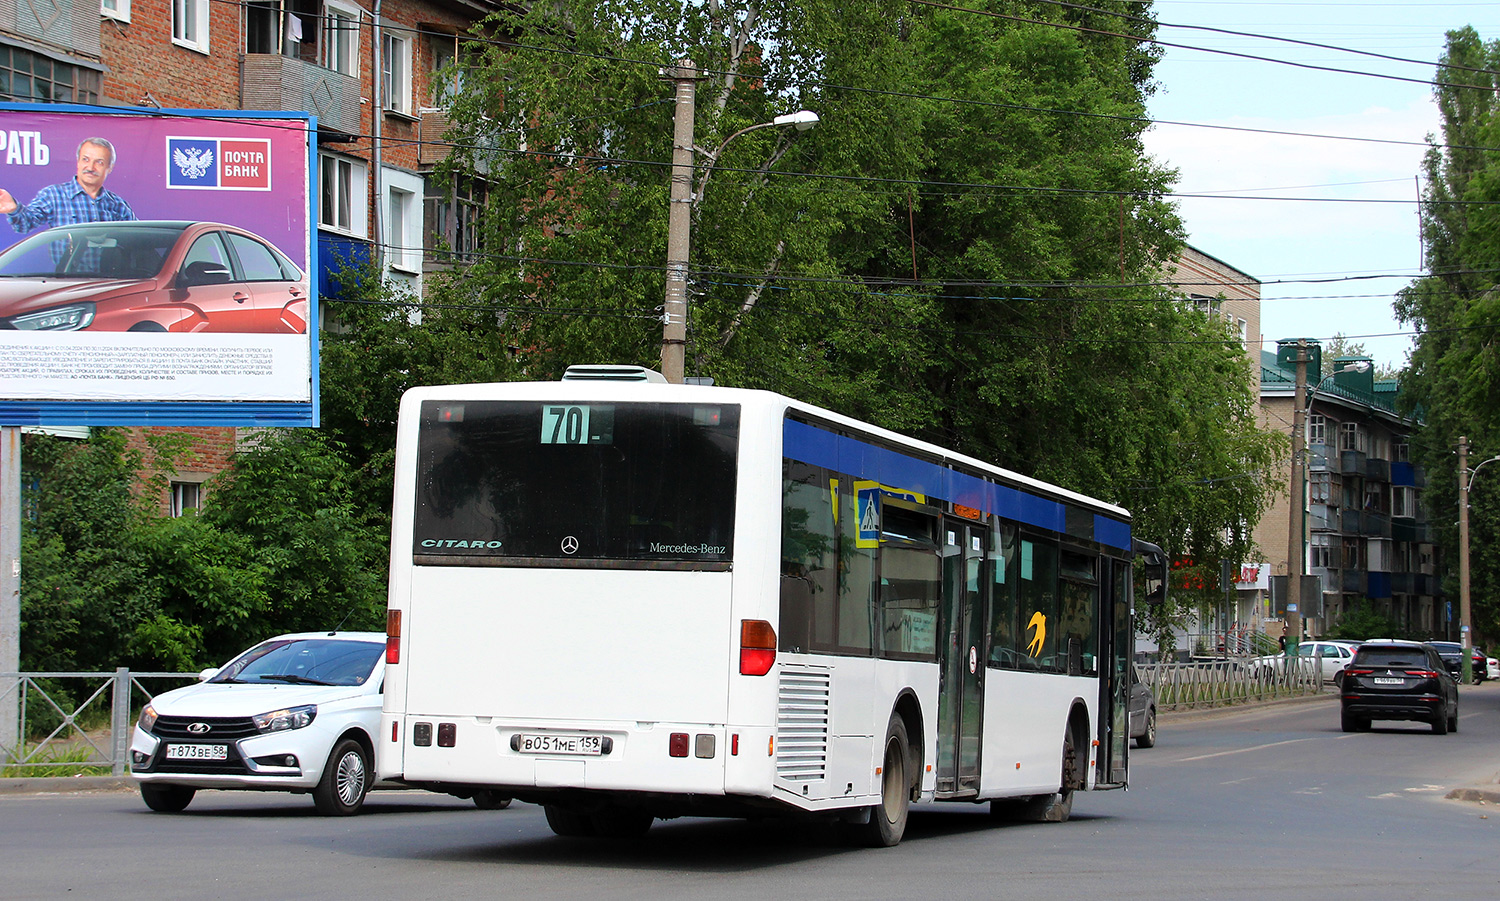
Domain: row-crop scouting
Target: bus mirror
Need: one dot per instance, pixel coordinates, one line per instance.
(1153, 563)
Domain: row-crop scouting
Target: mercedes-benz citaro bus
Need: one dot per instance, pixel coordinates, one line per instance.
(626, 600)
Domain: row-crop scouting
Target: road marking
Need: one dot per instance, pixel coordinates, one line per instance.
(1274, 744)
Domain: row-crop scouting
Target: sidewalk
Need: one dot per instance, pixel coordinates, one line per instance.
(38, 785)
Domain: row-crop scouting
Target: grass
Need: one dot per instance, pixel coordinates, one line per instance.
(59, 762)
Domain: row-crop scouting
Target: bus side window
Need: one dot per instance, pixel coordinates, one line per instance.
(809, 561)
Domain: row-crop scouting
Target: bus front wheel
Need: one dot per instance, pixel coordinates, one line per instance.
(888, 818)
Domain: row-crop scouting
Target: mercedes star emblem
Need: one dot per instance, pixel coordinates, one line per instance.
(570, 545)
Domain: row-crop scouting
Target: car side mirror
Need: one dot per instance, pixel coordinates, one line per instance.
(208, 674)
(203, 272)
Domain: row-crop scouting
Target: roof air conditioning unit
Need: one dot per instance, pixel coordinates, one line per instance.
(609, 373)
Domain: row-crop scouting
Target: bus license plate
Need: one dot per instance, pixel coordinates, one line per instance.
(197, 752)
(582, 745)
(1379, 680)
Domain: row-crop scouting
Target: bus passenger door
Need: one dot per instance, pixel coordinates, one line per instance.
(961, 695)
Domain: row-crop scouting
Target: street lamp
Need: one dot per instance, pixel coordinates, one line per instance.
(1296, 552)
(680, 212)
(1465, 482)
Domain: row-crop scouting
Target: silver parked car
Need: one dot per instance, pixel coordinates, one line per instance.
(1142, 711)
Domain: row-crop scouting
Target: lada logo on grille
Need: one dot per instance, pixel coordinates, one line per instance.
(199, 728)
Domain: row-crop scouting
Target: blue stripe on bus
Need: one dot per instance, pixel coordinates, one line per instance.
(850, 456)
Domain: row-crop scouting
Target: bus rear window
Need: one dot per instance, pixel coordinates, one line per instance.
(526, 480)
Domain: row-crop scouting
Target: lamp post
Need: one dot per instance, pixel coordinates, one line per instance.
(1295, 551)
(1465, 482)
(680, 213)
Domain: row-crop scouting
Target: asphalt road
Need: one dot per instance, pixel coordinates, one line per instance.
(1268, 803)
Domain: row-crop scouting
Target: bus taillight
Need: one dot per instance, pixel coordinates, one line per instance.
(393, 636)
(757, 647)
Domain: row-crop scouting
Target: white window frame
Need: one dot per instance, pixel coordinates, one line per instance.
(182, 494)
(1317, 429)
(119, 10)
(395, 74)
(355, 219)
(192, 33)
(340, 20)
(402, 240)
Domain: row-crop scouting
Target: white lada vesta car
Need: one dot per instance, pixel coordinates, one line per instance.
(296, 713)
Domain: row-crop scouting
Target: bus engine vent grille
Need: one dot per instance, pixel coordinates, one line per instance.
(802, 725)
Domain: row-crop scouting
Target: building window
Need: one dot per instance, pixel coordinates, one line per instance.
(445, 80)
(1323, 554)
(190, 24)
(401, 229)
(395, 67)
(452, 216)
(1353, 553)
(339, 49)
(1401, 452)
(1317, 429)
(1403, 500)
(185, 497)
(341, 195)
(1322, 488)
(1243, 328)
(115, 9)
(28, 77)
(1352, 437)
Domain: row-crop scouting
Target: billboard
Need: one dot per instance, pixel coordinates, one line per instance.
(159, 267)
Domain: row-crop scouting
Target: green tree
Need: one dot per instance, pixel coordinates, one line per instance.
(963, 249)
(1454, 374)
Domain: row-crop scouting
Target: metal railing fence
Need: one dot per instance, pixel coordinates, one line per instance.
(36, 754)
(1218, 683)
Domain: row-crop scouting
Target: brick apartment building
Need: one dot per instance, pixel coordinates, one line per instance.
(1367, 537)
(367, 69)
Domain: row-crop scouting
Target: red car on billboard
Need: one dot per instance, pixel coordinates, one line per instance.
(154, 276)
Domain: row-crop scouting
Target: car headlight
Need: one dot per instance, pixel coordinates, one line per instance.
(148, 718)
(70, 318)
(286, 718)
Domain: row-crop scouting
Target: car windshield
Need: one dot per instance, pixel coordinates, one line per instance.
(117, 250)
(304, 661)
(1396, 657)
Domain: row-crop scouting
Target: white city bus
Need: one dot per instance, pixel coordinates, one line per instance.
(627, 600)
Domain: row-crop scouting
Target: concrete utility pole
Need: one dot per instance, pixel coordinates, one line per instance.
(679, 223)
(10, 591)
(1463, 559)
(1294, 540)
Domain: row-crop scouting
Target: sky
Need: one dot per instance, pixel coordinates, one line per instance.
(1327, 265)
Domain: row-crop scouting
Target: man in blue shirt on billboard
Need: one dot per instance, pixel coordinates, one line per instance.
(82, 199)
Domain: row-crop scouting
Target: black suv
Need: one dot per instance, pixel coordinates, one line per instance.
(1399, 680)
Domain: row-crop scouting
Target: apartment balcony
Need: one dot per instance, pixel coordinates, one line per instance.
(1320, 458)
(1378, 470)
(73, 27)
(1354, 581)
(270, 81)
(1403, 583)
(1322, 518)
(1374, 525)
(432, 124)
(1352, 461)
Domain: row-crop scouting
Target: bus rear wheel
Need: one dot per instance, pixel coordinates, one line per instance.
(1054, 808)
(888, 818)
(567, 822)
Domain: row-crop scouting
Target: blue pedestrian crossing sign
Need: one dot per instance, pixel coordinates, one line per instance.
(867, 504)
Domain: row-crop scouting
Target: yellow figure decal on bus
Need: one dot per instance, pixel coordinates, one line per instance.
(1039, 623)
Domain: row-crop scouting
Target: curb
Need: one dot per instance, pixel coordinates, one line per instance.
(34, 785)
